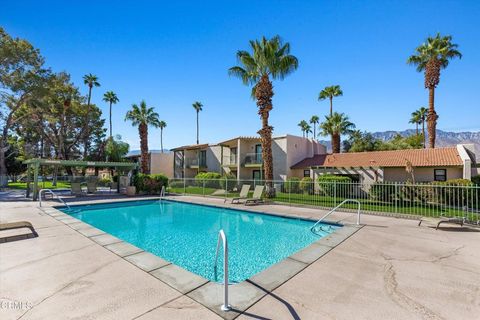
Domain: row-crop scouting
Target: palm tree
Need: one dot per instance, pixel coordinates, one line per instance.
(270, 60)
(308, 129)
(303, 126)
(198, 107)
(314, 120)
(91, 81)
(423, 116)
(143, 116)
(111, 98)
(330, 93)
(415, 119)
(162, 124)
(430, 57)
(336, 125)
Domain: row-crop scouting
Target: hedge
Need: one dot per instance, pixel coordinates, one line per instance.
(208, 179)
(306, 185)
(149, 183)
(332, 184)
(292, 185)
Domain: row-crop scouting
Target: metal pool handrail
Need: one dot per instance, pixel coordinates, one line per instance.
(334, 209)
(53, 194)
(162, 192)
(221, 236)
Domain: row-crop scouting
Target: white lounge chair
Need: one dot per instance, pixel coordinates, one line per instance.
(243, 194)
(76, 189)
(91, 187)
(257, 196)
(440, 220)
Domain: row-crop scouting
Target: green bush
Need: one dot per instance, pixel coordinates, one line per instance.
(176, 184)
(334, 185)
(306, 185)
(228, 182)
(292, 185)
(150, 183)
(208, 179)
(476, 180)
(382, 192)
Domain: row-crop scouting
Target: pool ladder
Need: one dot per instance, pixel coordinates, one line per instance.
(53, 194)
(313, 228)
(223, 238)
(162, 193)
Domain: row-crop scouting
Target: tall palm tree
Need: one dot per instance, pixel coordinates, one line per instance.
(303, 126)
(423, 112)
(269, 60)
(336, 125)
(415, 119)
(432, 56)
(91, 81)
(111, 98)
(198, 107)
(162, 124)
(143, 116)
(314, 120)
(329, 93)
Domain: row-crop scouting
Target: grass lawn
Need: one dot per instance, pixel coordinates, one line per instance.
(43, 185)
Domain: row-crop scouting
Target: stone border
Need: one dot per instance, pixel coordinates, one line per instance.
(210, 294)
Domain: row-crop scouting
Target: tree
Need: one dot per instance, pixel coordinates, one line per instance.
(21, 76)
(314, 120)
(330, 92)
(162, 124)
(269, 60)
(303, 126)
(359, 141)
(116, 149)
(198, 107)
(423, 112)
(111, 98)
(91, 81)
(415, 119)
(143, 116)
(430, 57)
(336, 125)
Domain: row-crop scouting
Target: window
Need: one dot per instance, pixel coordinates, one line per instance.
(203, 158)
(306, 173)
(440, 175)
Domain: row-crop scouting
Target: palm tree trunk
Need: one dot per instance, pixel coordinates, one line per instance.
(331, 106)
(86, 134)
(197, 128)
(431, 117)
(264, 94)
(314, 130)
(423, 132)
(110, 120)
(161, 140)
(416, 128)
(335, 143)
(143, 132)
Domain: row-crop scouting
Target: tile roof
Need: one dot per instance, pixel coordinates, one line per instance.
(392, 158)
(191, 147)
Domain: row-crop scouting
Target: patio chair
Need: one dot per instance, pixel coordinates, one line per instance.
(440, 220)
(257, 196)
(113, 186)
(76, 189)
(16, 225)
(91, 187)
(243, 194)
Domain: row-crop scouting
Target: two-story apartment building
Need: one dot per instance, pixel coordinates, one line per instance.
(188, 161)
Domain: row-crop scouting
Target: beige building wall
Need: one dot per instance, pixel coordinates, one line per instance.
(162, 163)
(421, 174)
(297, 149)
(365, 175)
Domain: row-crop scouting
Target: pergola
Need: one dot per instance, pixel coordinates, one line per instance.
(36, 163)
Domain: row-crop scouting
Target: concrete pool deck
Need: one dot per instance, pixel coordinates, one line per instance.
(388, 269)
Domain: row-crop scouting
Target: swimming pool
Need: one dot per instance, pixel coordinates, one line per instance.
(186, 234)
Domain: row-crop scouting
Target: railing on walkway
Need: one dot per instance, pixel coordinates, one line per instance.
(385, 198)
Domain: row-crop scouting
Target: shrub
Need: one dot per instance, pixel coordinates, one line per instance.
(382, 192)
(208, 179)
(306, 185)
(331, 185)
(292, 185)
(476, 180)
(176, 184)
(228, 182)
(150, 183)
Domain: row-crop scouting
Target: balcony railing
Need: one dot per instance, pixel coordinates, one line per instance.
(253, 159)
(230, 160)
(195, 163)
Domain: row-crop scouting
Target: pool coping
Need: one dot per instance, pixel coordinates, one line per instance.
(242, 295)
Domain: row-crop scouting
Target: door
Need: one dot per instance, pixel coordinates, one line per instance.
(258, 153)
(257, 175)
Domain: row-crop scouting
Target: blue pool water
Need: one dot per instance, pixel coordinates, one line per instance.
(186, 234)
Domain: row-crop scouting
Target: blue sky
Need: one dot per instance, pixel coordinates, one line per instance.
(174, 53)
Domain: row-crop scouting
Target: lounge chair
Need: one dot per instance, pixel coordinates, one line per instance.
(16, 225)
(76, 189)
(440, 220)
(243, 194)
(91, 187)
(257, 196)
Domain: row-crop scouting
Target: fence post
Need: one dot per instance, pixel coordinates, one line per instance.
(396, 197)
(226, 189)
(335, 193)
(184, 186)
(289, 193)
(203, 188)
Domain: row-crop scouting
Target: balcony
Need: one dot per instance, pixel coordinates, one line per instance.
(194, 163)
(230, 161)
(253, 160)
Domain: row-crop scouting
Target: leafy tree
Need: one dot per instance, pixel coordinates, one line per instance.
(359, 141)
(198, 107)
(432, 56)
(162, 124)
(269, 60)
(143, 116)
(21, 76)
(302, 124)
(336, 125)
(116, 149)
(329, 93)
(314, 121)
(111, 98)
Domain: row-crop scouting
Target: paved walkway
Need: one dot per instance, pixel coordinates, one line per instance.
(390, 269)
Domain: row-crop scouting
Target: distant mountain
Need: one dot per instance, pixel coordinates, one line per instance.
(444, 138)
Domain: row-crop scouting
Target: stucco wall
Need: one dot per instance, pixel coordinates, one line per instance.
(279, 154)
(214, 159)
(162, 163)
(299, 148)
(365, 175)
(421, 174)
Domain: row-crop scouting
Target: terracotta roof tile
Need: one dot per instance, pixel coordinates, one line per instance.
(393, 158)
